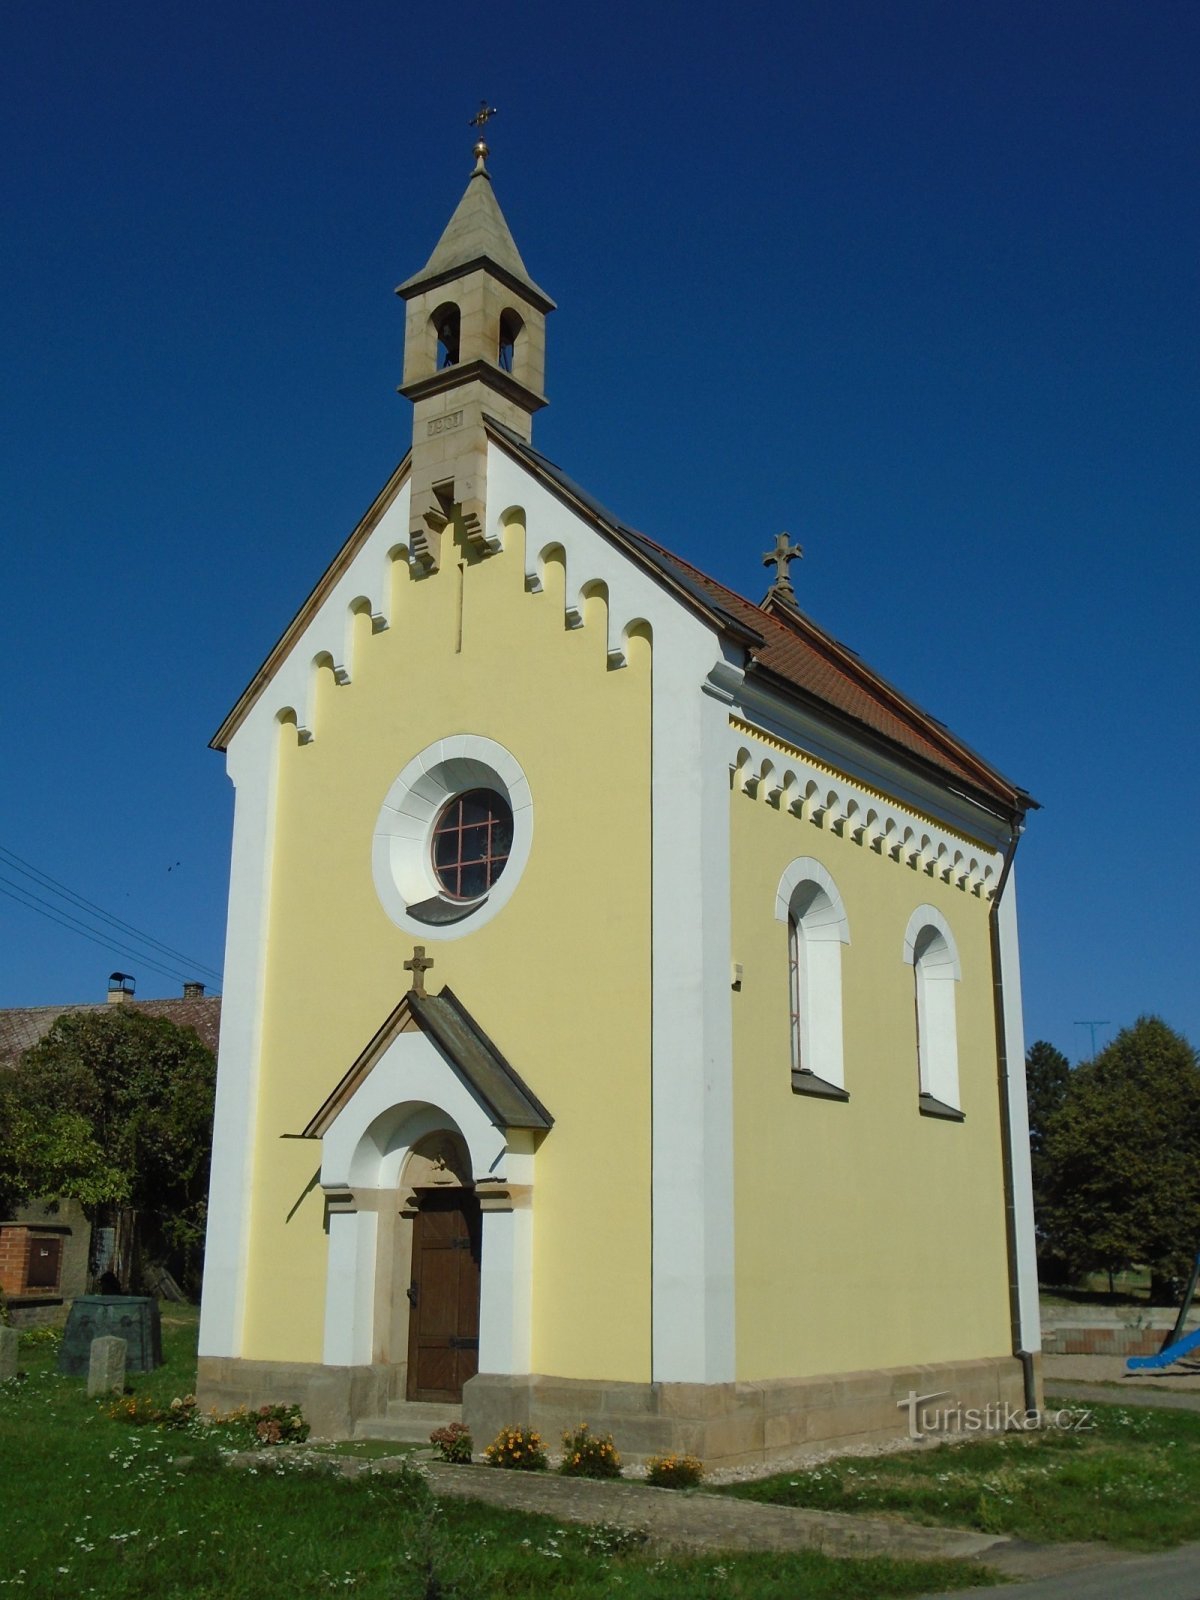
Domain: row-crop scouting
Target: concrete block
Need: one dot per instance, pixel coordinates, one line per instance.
(733, 1438)
(106, 1366)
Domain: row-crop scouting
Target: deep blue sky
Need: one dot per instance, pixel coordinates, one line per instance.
(915, 281)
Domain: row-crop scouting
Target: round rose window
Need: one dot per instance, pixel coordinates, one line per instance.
(472, 838)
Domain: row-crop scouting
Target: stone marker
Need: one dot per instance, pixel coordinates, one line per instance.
(106, 1367)
(9, 1341)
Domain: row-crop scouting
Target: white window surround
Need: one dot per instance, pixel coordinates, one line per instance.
(401, 849)
(807, 900)
(931, 951)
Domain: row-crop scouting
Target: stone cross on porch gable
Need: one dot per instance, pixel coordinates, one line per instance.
(419, 966)
(780, 558)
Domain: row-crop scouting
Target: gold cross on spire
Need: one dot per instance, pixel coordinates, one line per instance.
(779, 558)
(480, 120)
(419, 966)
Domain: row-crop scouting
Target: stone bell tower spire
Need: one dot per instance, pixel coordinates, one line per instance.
(474, 342)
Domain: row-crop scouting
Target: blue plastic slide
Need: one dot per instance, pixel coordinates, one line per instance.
(1164, 1358)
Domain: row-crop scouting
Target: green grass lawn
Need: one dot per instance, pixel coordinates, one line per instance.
(89, 1506)
(1133, 1480)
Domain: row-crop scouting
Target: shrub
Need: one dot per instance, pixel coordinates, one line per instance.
(278, 1425)
(454, 1443)
(267, 1425)
(519, 1449)
(589, 1455)
(674, 1472)
(45, 1338)
(135, 1409)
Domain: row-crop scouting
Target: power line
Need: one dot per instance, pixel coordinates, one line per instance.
(22, 896)
(44, 880)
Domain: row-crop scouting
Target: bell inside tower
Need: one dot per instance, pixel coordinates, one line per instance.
(446, 323)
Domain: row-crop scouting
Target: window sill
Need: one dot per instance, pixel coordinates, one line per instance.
(930, 1106)
(821, 1088)
(438, 912)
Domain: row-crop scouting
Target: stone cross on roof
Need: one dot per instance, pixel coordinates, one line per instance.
(779, 558)
(419, 966)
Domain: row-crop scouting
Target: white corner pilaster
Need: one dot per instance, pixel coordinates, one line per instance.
(253, 767)
(1018, 1119)
(692, 1092)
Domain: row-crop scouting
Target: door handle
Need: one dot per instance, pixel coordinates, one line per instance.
(411, 1292)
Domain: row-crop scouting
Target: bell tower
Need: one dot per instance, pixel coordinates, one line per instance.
(474, 343)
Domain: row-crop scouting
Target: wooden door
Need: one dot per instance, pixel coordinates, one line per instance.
(443, 1324)
(45, 1262)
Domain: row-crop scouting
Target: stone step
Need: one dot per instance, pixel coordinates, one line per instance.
(408, 1421)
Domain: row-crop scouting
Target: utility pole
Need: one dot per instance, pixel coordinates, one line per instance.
(1093, 1024)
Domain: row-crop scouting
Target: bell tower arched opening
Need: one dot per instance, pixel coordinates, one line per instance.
(447, 328)
(511, 326)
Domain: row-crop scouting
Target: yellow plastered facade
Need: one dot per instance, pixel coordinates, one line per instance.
(560, 979)
(848, 1255)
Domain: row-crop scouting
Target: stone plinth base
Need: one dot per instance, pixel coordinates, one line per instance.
(738, 1424)
(333, 1399)
(725, 1424)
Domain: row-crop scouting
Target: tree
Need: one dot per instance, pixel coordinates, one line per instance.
(1122, 1158)
(115, 1107)
(1047, 1074)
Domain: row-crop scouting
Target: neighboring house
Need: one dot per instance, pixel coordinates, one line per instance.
(48, 1254)
(622, 1008)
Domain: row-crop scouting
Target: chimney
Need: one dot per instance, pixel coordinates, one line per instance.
(120, 988)
(193, 991)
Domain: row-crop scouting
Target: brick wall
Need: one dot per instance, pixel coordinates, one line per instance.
(1113, 1340)
(14, 1257)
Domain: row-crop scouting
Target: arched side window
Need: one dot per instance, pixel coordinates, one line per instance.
(808, 901)
(930, 950)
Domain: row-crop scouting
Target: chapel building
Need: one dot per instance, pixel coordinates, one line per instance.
(622, 1008)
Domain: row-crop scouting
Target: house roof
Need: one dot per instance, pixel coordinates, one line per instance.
(464, 1045)
(22, 1027)
(789, 650)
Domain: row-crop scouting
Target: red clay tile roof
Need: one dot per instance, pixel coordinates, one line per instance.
(804, 656)
(24, 1026)
(790, 648)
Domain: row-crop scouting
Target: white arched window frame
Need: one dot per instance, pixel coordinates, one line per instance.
(808, 901)
(930, 950)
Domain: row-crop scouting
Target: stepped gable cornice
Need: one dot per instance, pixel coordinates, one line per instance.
(321, 590)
